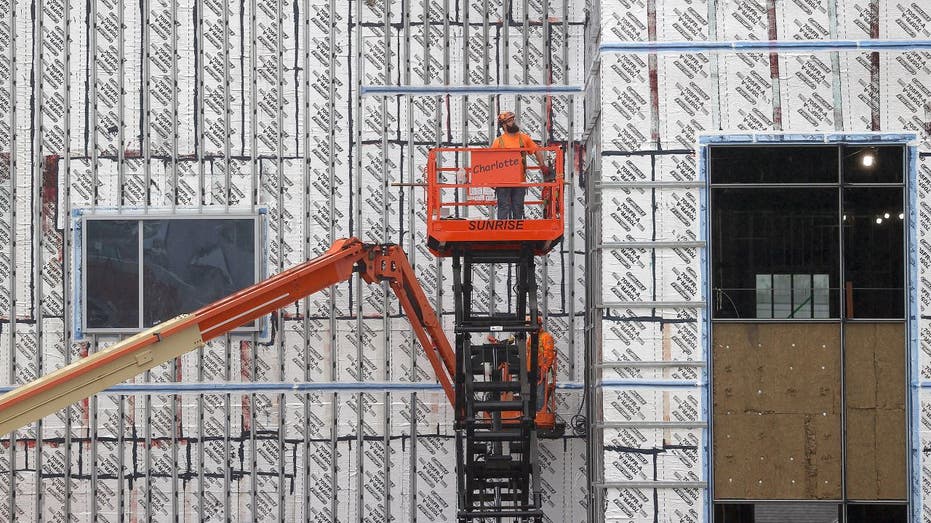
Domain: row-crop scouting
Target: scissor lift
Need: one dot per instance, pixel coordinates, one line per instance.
(498, 419)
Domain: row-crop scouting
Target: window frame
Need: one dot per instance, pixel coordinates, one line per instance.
(80, 292)
(908, 144)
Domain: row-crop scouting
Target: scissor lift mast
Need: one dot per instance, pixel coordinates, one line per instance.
(497, 390)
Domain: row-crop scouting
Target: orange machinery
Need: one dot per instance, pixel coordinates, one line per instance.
(495, 387)
(504, 390)
(461, 182)
(172, 338)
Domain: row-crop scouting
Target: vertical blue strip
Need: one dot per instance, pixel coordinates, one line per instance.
(77, 249)
(912, 323)
(264, 323)
(913, 341)
(704, 258)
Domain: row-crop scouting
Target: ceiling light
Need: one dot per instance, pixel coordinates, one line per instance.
(879, 220)
(886, 216)
(901, 215)
(868, 160)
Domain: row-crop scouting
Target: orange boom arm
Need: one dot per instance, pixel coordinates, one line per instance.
(172, 338)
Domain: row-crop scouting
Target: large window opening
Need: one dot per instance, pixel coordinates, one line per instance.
(777, 236)
(808, 332)
(139, 272)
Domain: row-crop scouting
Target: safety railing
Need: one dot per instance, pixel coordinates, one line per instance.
(463, 179)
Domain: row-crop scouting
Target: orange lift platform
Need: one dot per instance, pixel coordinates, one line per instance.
(503, 399)
(461, 183)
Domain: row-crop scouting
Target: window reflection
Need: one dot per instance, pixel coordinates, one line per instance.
(874, 253)
(774, 164)
(112, 272)
(775, 253)
(186, 263)
(191, 263)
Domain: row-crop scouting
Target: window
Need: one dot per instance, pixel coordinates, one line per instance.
(808, 335)
(774, 164)
(782, 216)
(777, 513)
(807, 513)
(763, 238)
(140, 271)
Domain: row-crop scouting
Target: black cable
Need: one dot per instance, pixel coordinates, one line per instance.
(578, 422)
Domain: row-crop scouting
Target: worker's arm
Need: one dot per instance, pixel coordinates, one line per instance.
(546, 172)
(539, 156)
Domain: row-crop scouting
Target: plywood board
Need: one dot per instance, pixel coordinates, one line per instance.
(876, 429)
(777, 456)
(776, 390)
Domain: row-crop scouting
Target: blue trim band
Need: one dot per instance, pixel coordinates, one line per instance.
(914, 347)
(765, 45)
(663, 384)
(468, 89)
(808, 138)
(278, 387)
(708, 447)
(77, 284)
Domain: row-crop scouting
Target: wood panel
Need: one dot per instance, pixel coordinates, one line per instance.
(777, 424)
(876, 428)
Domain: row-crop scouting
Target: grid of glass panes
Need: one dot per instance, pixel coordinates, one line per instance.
(140, 271)
(807, 232)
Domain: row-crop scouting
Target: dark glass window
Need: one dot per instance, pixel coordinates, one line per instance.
(873, 164)
(862, 513)
(186, 263)
(191, 263)
(874, 252)
(733, 513)
(774, 164)
(111, 267)
(775, 252)
(784, 512)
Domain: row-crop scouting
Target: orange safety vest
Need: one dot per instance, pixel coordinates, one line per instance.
(501, 143)
(546, 353)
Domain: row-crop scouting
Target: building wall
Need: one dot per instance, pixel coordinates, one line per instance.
(197, 106)
(653, 108)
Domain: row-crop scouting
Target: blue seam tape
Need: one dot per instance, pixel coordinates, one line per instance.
(744, 138)
(764, 45)
(706, 331)
(246, 387)
(76, 263)
(913, 344)
(468, 89)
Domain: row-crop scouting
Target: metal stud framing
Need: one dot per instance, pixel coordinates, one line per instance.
(148, 73)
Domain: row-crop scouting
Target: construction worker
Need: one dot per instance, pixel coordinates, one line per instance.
(546, 361)
(511, 199)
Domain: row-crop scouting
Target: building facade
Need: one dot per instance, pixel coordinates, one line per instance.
(302, 117)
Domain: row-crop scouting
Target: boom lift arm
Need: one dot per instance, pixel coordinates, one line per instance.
(170, 339)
